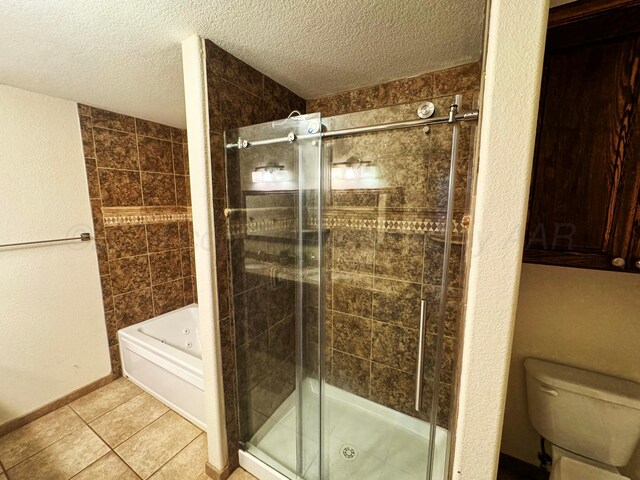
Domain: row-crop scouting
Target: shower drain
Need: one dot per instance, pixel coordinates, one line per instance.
(348, 452)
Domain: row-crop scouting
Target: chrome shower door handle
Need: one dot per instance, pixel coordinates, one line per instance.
(420, 362)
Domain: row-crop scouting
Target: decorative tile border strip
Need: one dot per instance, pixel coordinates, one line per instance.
(119, 216)
(414, 225)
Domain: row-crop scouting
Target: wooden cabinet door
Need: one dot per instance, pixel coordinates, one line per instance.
(584, 192)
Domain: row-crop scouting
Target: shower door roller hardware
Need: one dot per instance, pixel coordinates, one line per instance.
(618, 262)
(291, 137)
(426, 110)
(466, 221)
(242, 143)
(313, 127)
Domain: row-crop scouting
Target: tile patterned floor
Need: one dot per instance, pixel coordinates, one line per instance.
(116, 432)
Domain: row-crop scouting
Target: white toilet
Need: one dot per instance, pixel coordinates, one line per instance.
(591, 420)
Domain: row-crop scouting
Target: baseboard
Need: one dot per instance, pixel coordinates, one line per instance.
(213, 472)
(16, 423)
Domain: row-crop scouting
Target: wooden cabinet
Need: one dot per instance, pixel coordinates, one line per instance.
(585, 188)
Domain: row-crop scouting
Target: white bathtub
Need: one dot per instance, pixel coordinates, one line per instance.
(163, 357)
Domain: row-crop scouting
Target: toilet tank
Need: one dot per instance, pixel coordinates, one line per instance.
(587, 413)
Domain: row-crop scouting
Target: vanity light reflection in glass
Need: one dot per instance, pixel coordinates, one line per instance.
(270, 172)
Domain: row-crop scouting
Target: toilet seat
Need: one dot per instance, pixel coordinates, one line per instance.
(565, 468)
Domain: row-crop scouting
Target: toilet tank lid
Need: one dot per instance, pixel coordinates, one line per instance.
(584, 382)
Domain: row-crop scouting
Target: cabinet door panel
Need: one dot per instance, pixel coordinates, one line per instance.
(585, 180)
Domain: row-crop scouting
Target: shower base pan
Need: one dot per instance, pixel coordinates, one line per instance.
(364, 440)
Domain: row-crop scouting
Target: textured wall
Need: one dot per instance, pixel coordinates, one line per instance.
(384, 250)
(513, 67)
(138, 174)
(53, 337)
(583, 318)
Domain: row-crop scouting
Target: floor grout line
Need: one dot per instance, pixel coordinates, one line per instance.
(47, 446)
(111, 449)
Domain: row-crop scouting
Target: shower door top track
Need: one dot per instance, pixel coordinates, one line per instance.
(453, 117)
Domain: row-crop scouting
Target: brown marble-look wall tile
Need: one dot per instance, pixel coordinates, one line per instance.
(129, 273)
(153, 129)
(101, 252)
(86, 131)
(98, 220)
(186, 264)
(107, 292)
(167, 297)
(394, 346)
(397, 302)
(155, 155)
(353, 253)
(84, 110)
(218, 166)
(431, 294)
(405, 271)
(120, 188)
(115, 149)
(448, 362)
(251, 314)
(457, 79)
(126, 241)
(133, 307)
(92, 178)
(177, 151)
(222, 64)
(111, 143)
(112, 120)
(351, 373)
(112, 327)
(238, 96)
(393, 388)
(183, 190)
(404, 90)
(187, 285)
(158, 189)
(116, 365)
(434, 261)
(165, 266)
(352, 335)
(353, 295)
(163, 236)
(399, 255)
(282, 341)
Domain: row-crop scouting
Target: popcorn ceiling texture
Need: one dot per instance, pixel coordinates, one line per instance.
(132, 51)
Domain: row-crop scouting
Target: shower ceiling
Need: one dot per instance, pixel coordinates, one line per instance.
(124, 55)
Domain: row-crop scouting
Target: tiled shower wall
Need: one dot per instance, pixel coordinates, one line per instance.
(382, 310)
(239, 96)
(382, 255)
(138, 175)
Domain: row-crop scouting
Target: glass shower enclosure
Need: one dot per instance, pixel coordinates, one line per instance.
(346, 236)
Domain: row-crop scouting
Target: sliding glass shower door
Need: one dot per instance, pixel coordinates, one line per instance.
(275, 198)
(346, 248)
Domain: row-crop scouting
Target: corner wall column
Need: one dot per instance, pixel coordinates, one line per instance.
(515, 49)
(196, 103)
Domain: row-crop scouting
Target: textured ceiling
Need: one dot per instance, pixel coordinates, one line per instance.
(125, 55)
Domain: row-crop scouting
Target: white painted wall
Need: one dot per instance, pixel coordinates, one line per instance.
(196, 104)
(52, 331)
(585, 318)
(513, 67)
